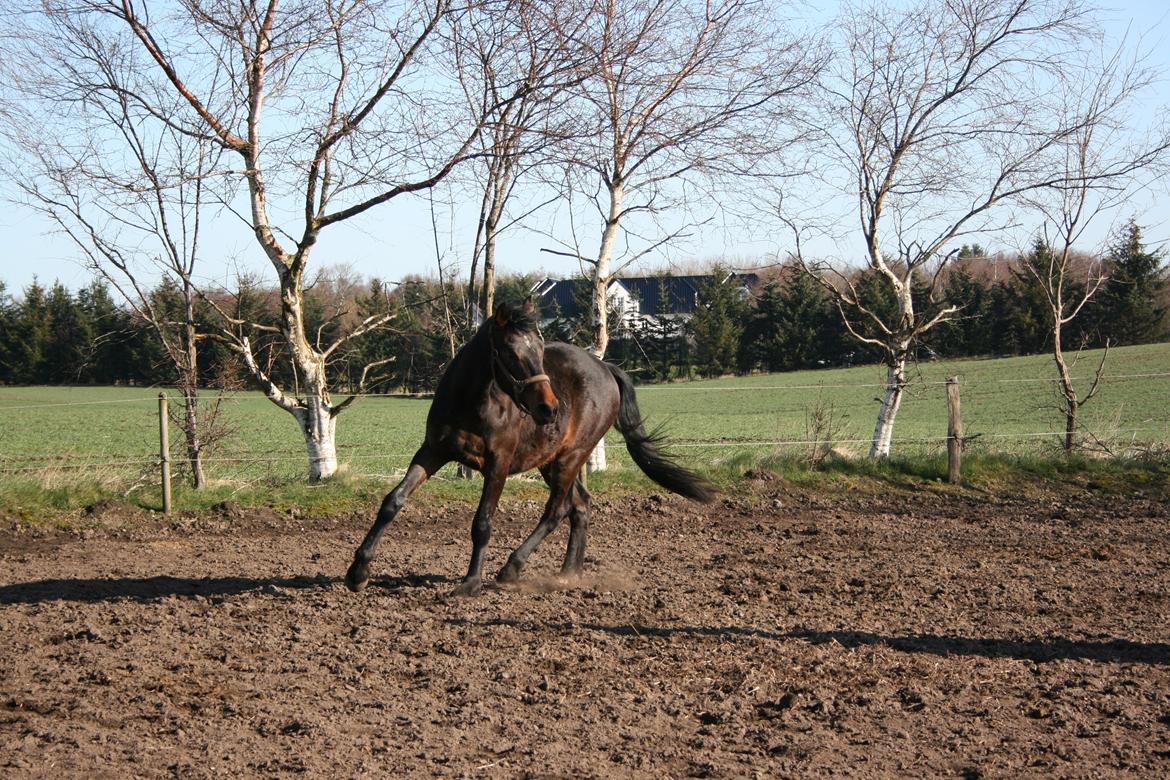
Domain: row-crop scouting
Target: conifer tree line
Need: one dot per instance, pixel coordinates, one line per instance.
(51, 335)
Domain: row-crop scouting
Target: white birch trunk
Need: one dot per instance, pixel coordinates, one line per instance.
(314, 413)
(319, 426)
(599, 314)
(883, 432)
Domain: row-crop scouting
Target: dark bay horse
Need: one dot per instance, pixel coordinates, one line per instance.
(508, 403)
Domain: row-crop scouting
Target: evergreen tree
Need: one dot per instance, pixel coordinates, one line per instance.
(664, 336)
(876, 295)
(68, 347)
(378, 344)
(1127, 306)
(971, 251)
(7, 332)
(515, 287)
(716, 326)
(791, 326)
(31, 328)
(966, 334)
(109, 352)
(559, 327)
(420, 345)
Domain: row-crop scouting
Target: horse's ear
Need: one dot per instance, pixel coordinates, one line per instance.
(503, 315)
(529, 306)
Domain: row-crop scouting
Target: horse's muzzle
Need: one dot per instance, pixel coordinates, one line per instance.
(544, 413)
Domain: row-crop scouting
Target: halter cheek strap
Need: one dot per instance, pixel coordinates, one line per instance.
(518, 385)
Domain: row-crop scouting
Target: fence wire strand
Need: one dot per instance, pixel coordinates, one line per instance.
(692, 386)
(972, 393)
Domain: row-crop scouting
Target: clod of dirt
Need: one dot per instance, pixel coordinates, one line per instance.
(260, 516)
(1102, 553)
(228, 509)
(109, 507)
(773, 709)
(761, 475)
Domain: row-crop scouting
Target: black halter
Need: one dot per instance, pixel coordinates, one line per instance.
(514, 386)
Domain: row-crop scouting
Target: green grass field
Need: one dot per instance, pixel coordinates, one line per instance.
(77, 441)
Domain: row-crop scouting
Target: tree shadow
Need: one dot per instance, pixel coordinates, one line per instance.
(149, 588)
(1040, 649)
(152, 588)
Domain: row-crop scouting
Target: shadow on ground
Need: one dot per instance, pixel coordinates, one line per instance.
(1047, 649)
(148, 588)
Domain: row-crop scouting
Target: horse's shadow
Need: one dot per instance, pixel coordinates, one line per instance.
(1038, 650)
(147, 589)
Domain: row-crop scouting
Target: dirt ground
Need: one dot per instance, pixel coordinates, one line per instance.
(775, 633)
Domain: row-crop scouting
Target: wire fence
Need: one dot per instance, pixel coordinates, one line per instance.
(115, 440)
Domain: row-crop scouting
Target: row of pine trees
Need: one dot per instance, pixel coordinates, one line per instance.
(788, 322)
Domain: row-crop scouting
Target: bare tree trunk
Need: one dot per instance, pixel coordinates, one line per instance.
(190, 389)
(1067, 391)
(190, 429)
(883, 432)
(319, 427)
(314, 411)
(599, 312)
(489, 274)
(500, 184)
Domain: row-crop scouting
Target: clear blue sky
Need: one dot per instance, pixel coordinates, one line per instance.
(396, 240)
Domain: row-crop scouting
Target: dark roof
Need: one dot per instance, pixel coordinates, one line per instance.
(681, 292)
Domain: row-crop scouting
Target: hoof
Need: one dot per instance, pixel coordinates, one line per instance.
(468, 588)
(510, 573)
(357, 577)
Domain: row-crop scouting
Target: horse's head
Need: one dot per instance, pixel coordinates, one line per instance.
(518, 361)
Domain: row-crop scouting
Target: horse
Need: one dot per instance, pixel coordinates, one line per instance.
(508, 403)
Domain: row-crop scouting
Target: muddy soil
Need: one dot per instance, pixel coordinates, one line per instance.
(771, 634)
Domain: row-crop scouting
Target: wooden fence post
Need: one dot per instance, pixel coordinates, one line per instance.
(164, 453)
(954, 432)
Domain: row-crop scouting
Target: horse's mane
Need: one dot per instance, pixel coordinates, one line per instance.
(524, 321)
(518, 320)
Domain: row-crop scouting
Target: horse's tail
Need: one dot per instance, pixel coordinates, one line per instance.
(645, 447)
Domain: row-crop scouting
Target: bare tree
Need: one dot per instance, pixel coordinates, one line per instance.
(135, 216)
(1102, 163)
(940, 116)
(680, 92)
(329, 110)
(531, 54)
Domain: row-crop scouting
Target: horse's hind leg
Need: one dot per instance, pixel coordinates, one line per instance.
(421, 468)
(554, 511)
(579, 504)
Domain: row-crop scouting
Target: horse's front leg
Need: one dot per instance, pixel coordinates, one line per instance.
(494, 476)
(424, 464)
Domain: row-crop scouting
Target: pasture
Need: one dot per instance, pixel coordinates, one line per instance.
(872, 630)
(79, 443)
